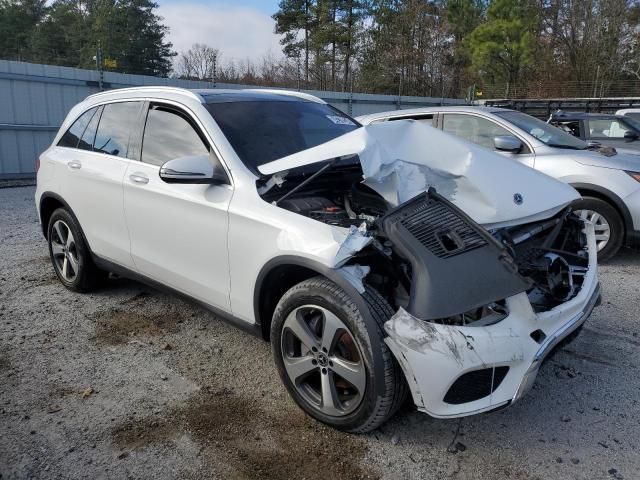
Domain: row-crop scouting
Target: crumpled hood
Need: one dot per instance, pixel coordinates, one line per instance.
(403, 158)
(622, 160)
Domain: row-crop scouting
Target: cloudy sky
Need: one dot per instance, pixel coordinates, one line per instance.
(240, 29)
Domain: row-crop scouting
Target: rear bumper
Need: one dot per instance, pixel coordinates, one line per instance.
(435, 356)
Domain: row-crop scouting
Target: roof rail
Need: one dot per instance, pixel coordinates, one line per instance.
(291, 93)
(150, 88)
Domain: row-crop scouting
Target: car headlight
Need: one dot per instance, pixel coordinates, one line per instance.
(634, 175)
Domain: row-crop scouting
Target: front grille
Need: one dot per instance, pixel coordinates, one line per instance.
(475, 385)
(439, 229)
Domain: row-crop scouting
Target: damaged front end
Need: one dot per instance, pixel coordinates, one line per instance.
(484, 286)
(485, 308)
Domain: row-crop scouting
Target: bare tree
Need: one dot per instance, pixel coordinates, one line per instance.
(199, 62)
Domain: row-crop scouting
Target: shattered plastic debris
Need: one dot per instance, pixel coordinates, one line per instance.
(355, 241)
(355, 274)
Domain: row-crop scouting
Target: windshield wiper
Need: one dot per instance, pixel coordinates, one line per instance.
(305, 182)
(566, 147)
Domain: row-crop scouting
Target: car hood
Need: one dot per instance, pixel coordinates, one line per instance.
(628, 151)
(402, 159)
(622, 160)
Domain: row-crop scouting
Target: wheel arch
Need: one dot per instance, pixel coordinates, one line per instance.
(282, 273)
(49, 202)
(587, 189)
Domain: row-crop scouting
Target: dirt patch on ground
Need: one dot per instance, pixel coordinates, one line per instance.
(119, 326)
(134, 435)
(4, 363)
(255, 443)
(137, 299)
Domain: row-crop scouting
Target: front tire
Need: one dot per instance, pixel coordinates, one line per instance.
(69, 253)
(607, 222)
(324, 353)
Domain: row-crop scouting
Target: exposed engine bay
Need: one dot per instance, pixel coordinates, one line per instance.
(430, 258)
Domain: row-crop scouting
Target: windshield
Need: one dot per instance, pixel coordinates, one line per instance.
(261, 131)
(552, 136)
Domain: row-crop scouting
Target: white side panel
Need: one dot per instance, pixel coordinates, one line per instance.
(179, 233)
(91, 183)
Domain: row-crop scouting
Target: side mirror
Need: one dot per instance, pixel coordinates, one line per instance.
(507, 143)
(193, 169)
(630, 136)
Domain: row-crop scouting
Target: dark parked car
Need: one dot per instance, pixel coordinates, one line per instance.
(621, 132)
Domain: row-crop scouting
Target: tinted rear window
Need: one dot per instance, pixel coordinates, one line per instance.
(117, 122)
(263, 131)
(75, 132)
(89, 135)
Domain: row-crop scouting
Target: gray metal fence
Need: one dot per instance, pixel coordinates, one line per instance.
(34, 99)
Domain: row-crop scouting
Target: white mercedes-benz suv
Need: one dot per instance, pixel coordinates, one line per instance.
(380, 261)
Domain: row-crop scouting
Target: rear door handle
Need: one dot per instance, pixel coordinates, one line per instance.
(139, 178)
(74, 165)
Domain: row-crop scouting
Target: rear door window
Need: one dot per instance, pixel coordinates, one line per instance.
(170, 134)
(71, 138)
(117, 123)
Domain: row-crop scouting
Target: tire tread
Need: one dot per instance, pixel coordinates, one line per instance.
(395, 385)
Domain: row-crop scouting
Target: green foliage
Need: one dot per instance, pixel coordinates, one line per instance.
(68, 32)
(18, 22)
(322, 32)
(502, 47)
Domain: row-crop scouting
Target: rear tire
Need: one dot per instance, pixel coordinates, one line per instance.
(607, 222)
(311, 309)
(69, 253)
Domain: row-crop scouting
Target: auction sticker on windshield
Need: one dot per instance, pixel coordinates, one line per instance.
(338, 120)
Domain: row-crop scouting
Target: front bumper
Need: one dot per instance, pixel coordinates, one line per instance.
(434, 356)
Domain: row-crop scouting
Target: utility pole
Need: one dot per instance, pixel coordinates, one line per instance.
(99, 66)
(351, 95)
(401, 74)
(215, 60)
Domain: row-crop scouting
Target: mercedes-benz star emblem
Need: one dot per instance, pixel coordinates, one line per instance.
(517, 198)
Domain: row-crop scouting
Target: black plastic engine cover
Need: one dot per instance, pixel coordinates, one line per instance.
(456, 264)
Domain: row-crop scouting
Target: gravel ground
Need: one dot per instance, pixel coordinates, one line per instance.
(132, 383)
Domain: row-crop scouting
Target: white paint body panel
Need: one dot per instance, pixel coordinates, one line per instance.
(179, 234)
(95, 191)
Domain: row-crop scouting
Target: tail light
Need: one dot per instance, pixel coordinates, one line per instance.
(37, 164)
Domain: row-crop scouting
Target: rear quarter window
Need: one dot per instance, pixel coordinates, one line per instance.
(72, 136)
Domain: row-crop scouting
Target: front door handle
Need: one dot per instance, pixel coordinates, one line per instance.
(74, 165)
(139, 178)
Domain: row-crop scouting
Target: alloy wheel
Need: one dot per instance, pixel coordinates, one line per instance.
(64, 251)
(323, 361)
(600, 225)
